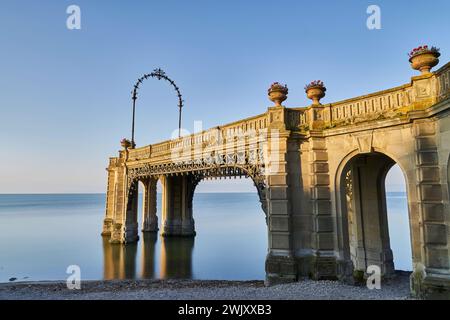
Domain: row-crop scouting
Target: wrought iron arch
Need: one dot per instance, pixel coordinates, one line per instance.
(158, 74)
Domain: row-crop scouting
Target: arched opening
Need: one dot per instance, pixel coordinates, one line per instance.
(398, 219)
(365, 205)
(149, 204)
(141, 209)
(231, 241)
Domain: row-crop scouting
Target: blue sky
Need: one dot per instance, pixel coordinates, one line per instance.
(65, 94)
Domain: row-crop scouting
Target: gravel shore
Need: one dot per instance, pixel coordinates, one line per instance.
(394, 289)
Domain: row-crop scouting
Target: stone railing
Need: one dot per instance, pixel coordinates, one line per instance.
(422, 92)
(443, 76)
(236, 133)
(298, 118)
(369, 106)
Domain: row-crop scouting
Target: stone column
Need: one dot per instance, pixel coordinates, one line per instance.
(280, 262)
(324, 263)
(178, 220)
(349, 200)
(167, 211)
(172, 221)
(130, 227)
(108, 221)
(188, 224)
(122, 205)
(111, 192)
(431, 262)
(150, 219)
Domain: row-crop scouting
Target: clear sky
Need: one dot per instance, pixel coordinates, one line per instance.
(65, 94)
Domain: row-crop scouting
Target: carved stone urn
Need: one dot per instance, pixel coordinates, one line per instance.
(125, 143)
(278, 93)
(315, 91)
(423, 58)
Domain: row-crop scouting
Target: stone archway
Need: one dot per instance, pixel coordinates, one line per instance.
(363, 213)
(149, 208)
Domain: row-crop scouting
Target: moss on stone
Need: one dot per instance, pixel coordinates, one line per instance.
(358, 276)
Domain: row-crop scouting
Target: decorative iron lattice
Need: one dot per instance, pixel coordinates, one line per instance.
(239, 164)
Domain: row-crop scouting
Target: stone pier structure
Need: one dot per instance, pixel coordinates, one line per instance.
(320, 174)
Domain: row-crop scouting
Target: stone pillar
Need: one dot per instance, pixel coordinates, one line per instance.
(111, 190)
(316, 116)
(124, 224)
(353, 223)
(324, 264)
(130, 227)
(167, 212)
(177, 207)
(125, 227)
(425, 91)
(431, 262)
(108, 221)
(281, 265)
(150, 219)
(187, 224)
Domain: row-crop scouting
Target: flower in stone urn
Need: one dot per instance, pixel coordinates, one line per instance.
(315, 91)
(278, 93)
(125, 143)
(424, 58)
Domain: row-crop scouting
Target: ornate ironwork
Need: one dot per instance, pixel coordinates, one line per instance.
(203, 168)
(209, 166)
(235, 164)
(158, 74)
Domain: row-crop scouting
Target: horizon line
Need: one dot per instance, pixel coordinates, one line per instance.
(104, 193)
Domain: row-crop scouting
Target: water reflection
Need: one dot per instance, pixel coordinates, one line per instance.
(119, 260)
(148, 260)
(174, 259)
(75, 222)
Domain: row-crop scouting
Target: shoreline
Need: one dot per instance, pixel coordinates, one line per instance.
(396, 288)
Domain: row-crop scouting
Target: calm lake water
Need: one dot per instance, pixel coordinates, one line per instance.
(41, 235)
